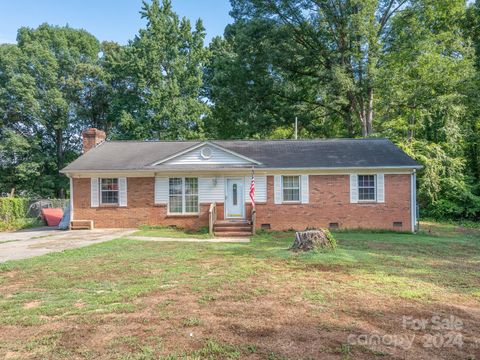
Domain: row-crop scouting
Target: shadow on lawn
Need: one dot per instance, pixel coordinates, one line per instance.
(451, 263)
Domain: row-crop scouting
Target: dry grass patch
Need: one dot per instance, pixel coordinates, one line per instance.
(127, 299)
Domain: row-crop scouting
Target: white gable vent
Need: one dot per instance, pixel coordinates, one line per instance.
(206, 152)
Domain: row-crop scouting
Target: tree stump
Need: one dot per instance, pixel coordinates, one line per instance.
(313, 240)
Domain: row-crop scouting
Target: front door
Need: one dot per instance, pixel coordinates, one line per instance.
(234, 198)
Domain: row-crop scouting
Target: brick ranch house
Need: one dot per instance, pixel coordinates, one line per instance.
(338, 183)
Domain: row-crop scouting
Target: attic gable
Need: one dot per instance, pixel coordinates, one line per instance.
(207, 153)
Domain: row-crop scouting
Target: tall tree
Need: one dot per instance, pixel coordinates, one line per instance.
(159, 77)
(328, 50)
(424, 105)
(239, 83)
(39, 92)
(472, 31)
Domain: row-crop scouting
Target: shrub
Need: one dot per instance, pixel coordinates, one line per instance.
(445, 190)
(12, 209)
(20, 224)
(13, 214)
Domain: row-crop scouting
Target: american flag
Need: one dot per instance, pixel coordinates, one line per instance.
(252, 187)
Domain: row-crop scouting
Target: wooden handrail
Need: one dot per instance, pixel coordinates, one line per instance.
(212, 217)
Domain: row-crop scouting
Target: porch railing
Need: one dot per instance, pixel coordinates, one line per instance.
(212, 217)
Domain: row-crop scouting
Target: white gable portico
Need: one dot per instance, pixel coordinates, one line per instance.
(207, 153)
(228, 185)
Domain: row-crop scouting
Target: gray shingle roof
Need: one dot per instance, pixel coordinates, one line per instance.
(331, 153)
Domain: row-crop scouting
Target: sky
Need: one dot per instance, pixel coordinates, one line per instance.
(116, 20)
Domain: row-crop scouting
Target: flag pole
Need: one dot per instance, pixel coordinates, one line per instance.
(252, 198)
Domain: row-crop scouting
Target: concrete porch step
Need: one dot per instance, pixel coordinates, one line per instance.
(81, 225)
(232, 227)
(222, 228)
(232, 223)
(232, 233)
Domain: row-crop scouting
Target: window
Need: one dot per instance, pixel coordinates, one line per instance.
(175, 192)
(109, 191)
(235, 195)
(183, 196)
(366, 188)
(291, 188)
(191, 195)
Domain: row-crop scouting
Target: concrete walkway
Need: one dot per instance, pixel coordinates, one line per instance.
(214, 240)
(33, 242)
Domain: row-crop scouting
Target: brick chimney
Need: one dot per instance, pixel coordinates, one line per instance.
(91, 138)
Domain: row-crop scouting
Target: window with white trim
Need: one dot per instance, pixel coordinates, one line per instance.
(291, 188)
(183, 195)
(191, 195)
(367, 188)
(109, 191)
(175, 195)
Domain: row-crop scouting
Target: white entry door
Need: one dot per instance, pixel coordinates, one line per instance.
(234, 198)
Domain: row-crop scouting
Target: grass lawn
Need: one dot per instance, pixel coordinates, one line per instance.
(171, 232)
(130, 299)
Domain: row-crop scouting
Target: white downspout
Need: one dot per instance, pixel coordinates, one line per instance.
(71, 199)
(413, 200)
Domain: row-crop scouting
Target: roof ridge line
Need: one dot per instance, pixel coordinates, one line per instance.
(250, 140)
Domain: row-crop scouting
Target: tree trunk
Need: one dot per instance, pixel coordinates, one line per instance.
(370, 112)
(363, 122)
(365, 114)
(348, 121)
(313, 240)
(60, 159)
(410, 132)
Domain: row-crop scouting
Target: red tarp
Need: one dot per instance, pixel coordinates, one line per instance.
(52, 216)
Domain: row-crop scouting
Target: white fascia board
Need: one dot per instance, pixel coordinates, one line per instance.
(261, 170)
(350, 168)
(113, 174)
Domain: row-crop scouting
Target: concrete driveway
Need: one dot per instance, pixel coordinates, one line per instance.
(33, 242)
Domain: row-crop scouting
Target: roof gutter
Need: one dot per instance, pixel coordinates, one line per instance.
(199, 169)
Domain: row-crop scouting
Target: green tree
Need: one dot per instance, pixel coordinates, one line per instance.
(39, 93)
(445, 188)
(424, 105)
(472, 31)
(158, 76)
(239, 85)
(322, 56)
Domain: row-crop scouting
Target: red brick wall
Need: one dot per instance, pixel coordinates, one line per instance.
(329, 203)
(140, 209)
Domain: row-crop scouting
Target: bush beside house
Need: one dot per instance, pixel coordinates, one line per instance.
(14, 214)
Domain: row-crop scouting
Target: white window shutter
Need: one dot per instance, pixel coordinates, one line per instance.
(304, 188)
(122, 191)
(260, 188)
(277, 186)
(353, 188)
(161, 190)
(94, 192)
(381, 188)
